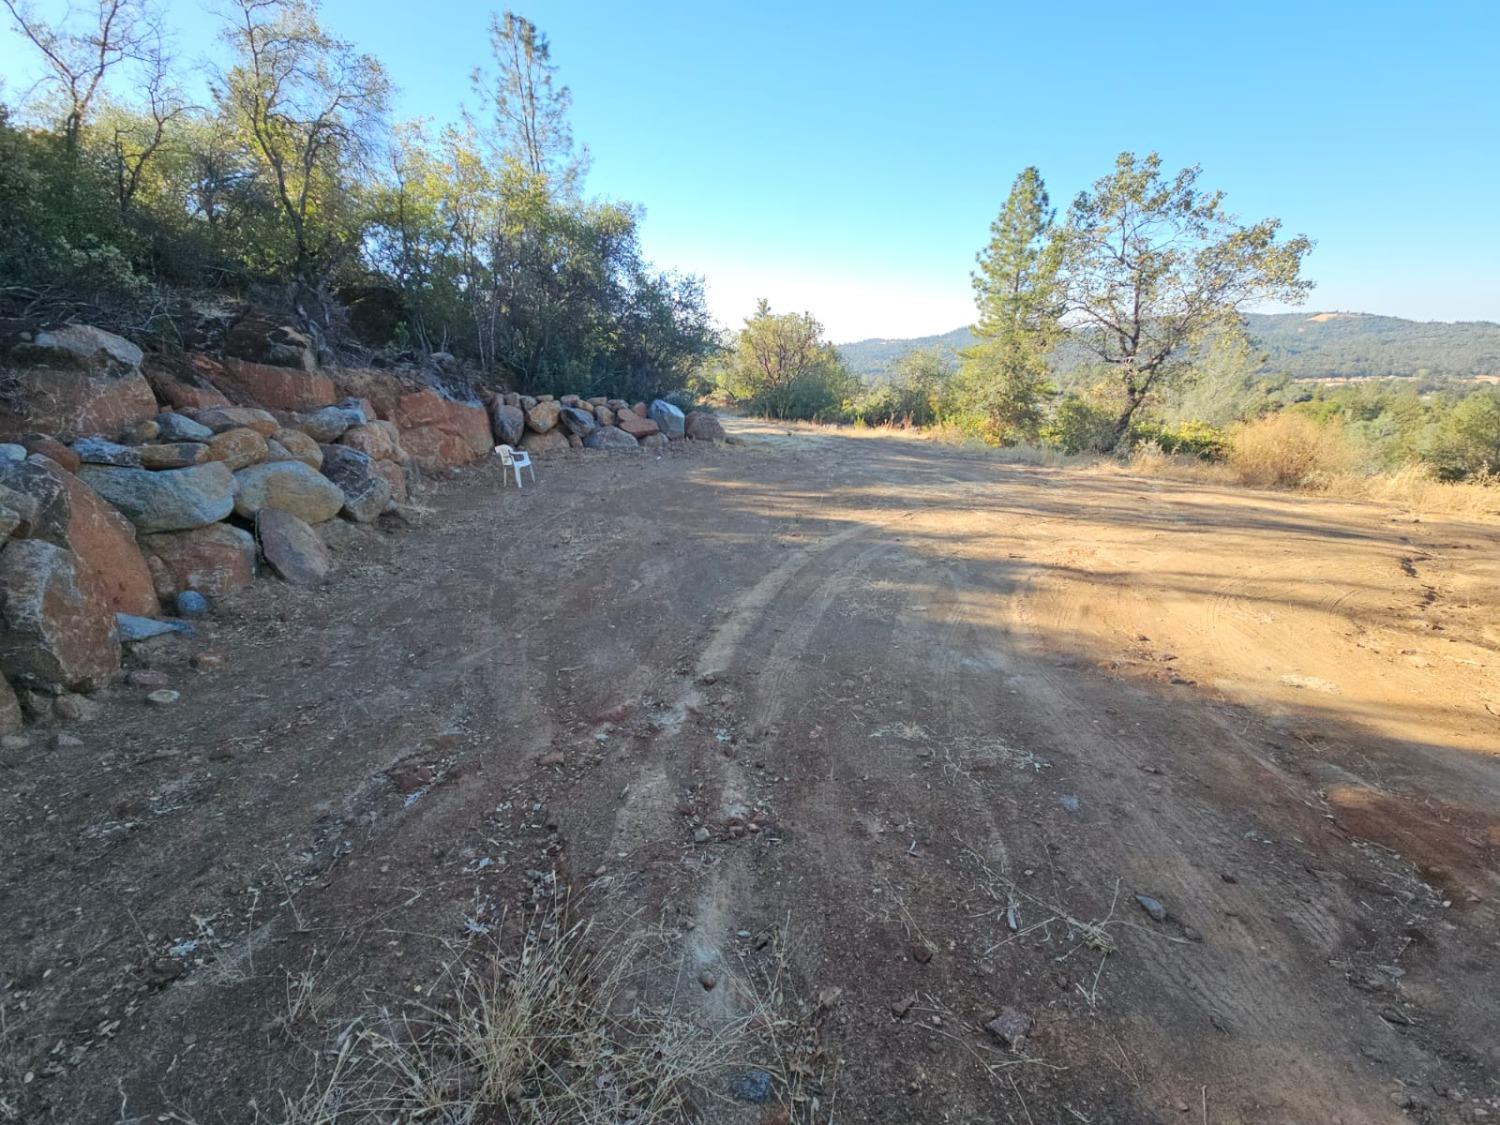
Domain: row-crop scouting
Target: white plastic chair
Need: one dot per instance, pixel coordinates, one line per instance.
(515, 460)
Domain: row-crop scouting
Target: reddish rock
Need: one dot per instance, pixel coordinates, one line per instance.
(59, 392)
(214, 560)
(432, 449)
(184, 384)
(238, 448)
(700, 425)
(395, 475)
(543, 416)
(105, 546)
(636, 426)
(57, 628)
(52, 449)
(471, 422)
(374, 439)
(540, 445)
(274, 388)
(381, 389)
(177, 455)
(419, 409)
(604, 416)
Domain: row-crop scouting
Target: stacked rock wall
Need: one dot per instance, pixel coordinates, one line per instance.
(133, 487)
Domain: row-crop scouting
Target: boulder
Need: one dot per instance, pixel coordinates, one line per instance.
(634, 425)
(655, 441)
(432, 449)
(395, 476)
(179, 427)
(11, 718)
(510, 398)
(97, 451)
(300, 447)
(667, 417)
(38, 499)
(543, 416)
(214, 560)
(167, 500)
(287, 486)
(57, 629)
(292, 548)
(238, 448)
(610, 437)
(274, 388)
(577, 421)
(52, 449)
(104, 545)
(418, 409)
(366, 492)
(508, 422)
(570, 400)
(260, 336)
(181, 383)
(604, 416)
(134, 628)
(540, 445)
(139, 433)
(374, 439)
(73, 381)
(700, 425)
(382, 389)
(640, 410)
(330, 422)
(181, 454)
(221, 418)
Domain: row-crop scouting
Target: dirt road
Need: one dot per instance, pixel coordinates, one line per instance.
(897, 728)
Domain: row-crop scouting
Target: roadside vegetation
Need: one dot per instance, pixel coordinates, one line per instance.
(130, 187)
(1117, 330)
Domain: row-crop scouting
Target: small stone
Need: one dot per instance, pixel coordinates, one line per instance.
(13, 742)
(66, 742)
(700, 835)
(75, 708)
(1011, 1027)
(1157, 911)
(921, 952)
(148, 678)
(133, 628)
(190, 603)
(751, 1086)
(902, 1006)
(207, 661)
(552, 758)
(707, 980)
(163, 698)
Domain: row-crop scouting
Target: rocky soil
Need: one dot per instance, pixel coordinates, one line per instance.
(1024, 795)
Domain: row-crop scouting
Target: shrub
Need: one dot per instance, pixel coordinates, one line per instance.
(1192, 439)
(1287, 451)
(1080, 426)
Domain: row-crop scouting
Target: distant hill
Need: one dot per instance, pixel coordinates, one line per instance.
(1324, 345)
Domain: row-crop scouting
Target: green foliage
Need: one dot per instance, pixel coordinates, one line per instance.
(1466, 443)
(1192, 439)
(1081, 424)
(911, 395)
(294, 185)
(781, 366)
(1152, 266)
(1002, 377)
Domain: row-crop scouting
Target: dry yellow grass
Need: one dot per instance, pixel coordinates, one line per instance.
(1288, 451)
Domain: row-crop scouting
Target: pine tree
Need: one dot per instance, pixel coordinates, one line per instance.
(1004, 376)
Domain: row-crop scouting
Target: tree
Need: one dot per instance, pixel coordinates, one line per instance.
(78, 61)
(1150, 266)
(781, 366)
(531, 113)
(310, 109)
(1002, 378)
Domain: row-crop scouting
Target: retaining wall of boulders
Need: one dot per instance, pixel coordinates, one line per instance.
(136, 490)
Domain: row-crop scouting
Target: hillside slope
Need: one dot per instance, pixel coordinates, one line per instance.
(1303, 345)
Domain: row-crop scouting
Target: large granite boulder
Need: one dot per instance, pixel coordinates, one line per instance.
(541, 445)
(700, 425)
(543, 416)
(292, 548)
(508, 421)
(166, 500)
(221, 418)
(288, 486)
(634, 425)
(668, 418)
(214, 560)
(104, 544)
(610, 437)
(366, 492)
(57, 629)
(578, 421)
(73, 381)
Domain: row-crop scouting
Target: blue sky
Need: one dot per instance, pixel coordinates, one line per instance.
(848, 158)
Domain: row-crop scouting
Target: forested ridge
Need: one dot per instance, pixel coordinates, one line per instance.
(1303, 345)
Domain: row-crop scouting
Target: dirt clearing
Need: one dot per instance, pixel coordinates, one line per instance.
(840, 749)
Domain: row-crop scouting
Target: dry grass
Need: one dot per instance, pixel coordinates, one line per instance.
(1288, 451)
(553, 1033)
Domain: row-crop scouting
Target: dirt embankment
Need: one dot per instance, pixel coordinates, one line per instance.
(886, 734)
